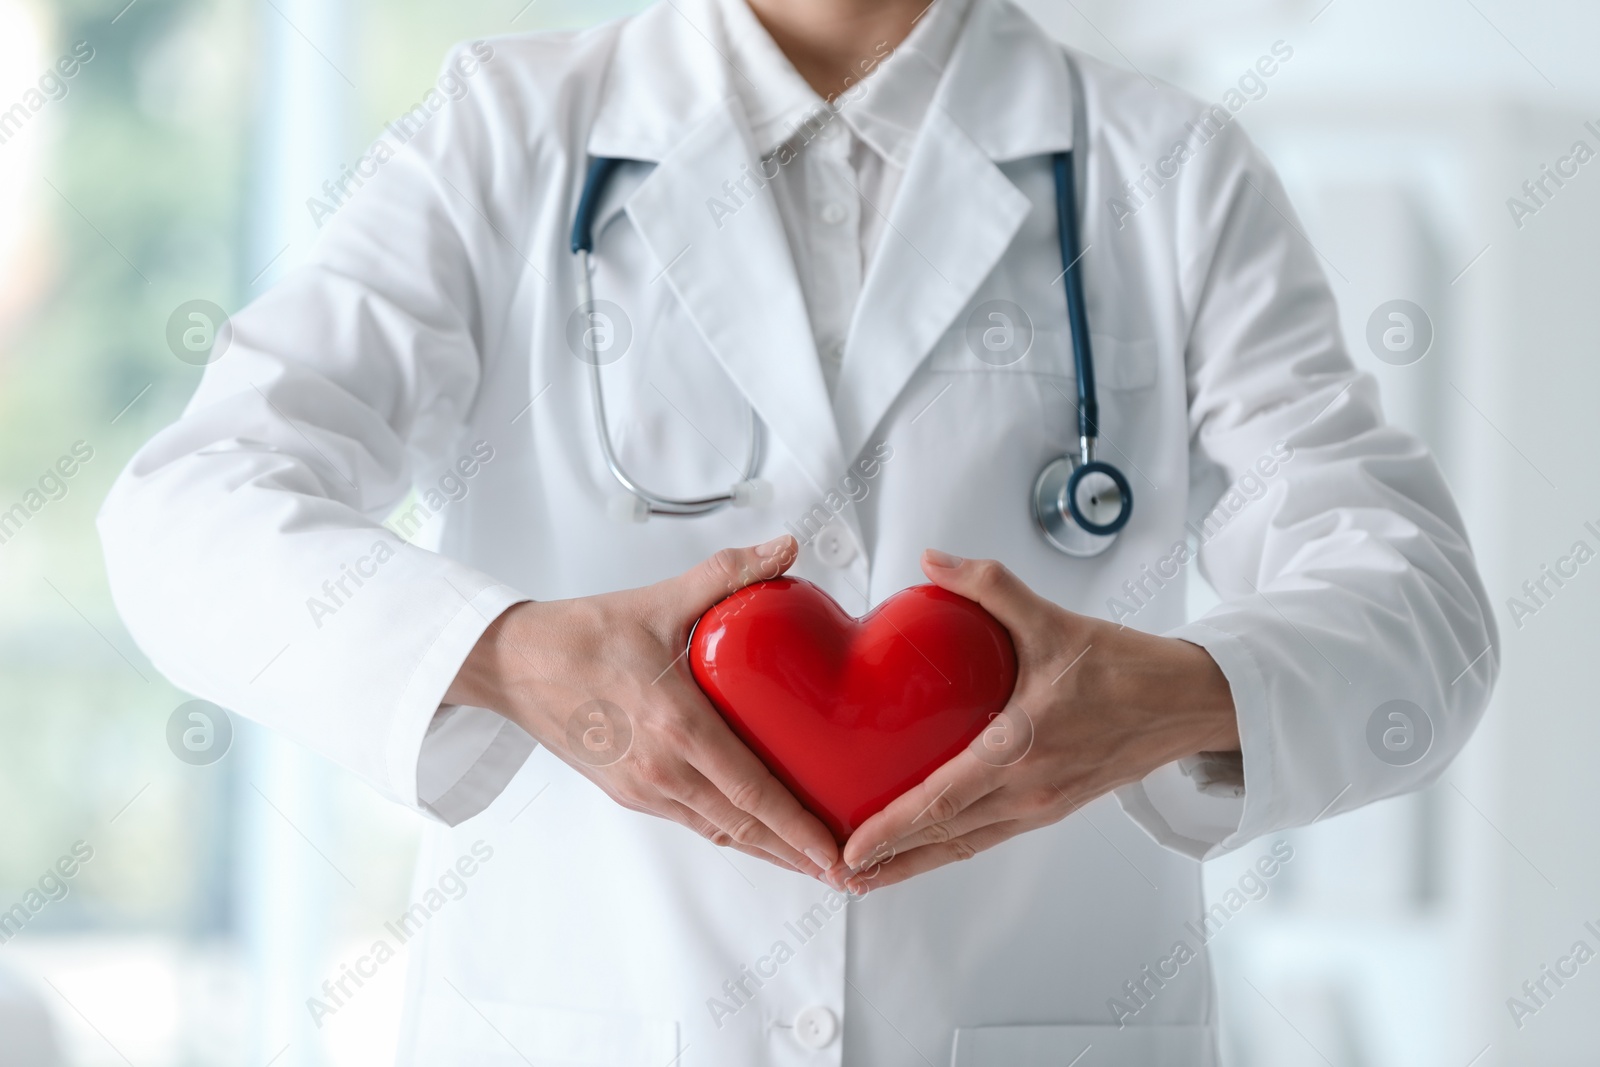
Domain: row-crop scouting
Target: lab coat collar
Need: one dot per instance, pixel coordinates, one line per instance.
(1006, 84)
(669, 71)
(776, 99)
(885, 103)
(887, 108)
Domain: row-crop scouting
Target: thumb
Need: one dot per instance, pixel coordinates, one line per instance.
(988, 583)
(731, 569)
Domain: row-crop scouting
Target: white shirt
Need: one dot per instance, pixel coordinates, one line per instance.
(838, 165)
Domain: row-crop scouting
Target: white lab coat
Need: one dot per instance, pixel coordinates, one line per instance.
(433, 316)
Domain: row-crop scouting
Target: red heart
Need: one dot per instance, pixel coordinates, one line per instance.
(849, 713)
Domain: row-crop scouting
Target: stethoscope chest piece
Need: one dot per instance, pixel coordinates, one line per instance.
(1080, 507)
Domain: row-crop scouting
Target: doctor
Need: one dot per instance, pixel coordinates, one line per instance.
(825, 213)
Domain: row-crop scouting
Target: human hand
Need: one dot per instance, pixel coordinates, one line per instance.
(603, 683)
(1096, 706)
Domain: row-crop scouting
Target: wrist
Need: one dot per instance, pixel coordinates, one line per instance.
(481, 681)
(1172, 690)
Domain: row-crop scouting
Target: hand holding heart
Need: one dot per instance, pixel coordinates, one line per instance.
(602, 683)
(1096, 706)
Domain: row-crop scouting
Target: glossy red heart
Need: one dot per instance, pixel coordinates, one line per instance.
(850, 713)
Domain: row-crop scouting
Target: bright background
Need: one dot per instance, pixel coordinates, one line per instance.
(219, 897)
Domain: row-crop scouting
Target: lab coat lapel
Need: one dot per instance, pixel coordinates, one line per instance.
(726, 257)
(1006, 95)
(670, 99)
(953, 217)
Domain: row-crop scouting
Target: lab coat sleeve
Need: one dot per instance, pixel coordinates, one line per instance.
(245, 544)
(1343, 566)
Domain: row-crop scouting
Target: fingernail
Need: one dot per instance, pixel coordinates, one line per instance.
(819, 857)
(772, 548)
(858, 887)
(943, 559)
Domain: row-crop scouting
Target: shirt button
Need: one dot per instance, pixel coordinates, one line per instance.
(833, 213)
(833, 351)
(834, 545)
(816, 1027)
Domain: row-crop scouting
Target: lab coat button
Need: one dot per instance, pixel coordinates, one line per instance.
(834, 546)
(816, 1027)
(833, 213)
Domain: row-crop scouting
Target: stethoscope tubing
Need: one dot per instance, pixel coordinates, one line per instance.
(1077, 314)
(599, 173)
(582, 245)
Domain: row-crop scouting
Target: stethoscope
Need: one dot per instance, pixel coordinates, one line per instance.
(1079, 502)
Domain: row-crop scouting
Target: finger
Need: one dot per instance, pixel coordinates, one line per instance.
(994, 588)
(738, 826)
(906, 865)
(772, 818)
(944, 794)
(744, 828)
(751, 788)
(698, 823)
(810, 871)
(999, 806)
(729, 571)
(663, 806)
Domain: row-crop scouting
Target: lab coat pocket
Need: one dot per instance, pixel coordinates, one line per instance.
(497, 1033)
(1123, 365)
(1084, 1046)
